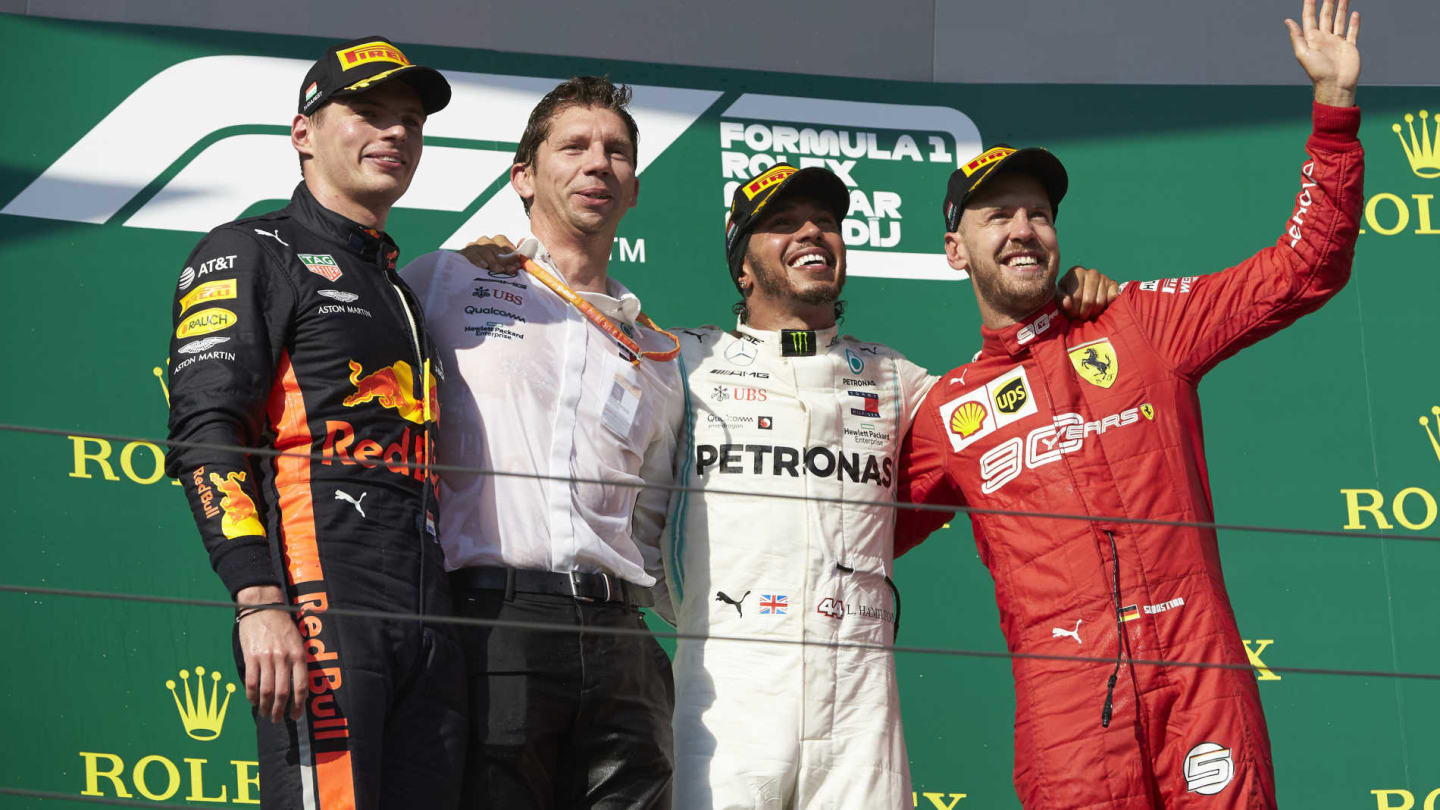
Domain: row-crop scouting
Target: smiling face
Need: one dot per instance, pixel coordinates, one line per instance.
(1007, 242)
(795, 261)
(583, 176)
(362, 150)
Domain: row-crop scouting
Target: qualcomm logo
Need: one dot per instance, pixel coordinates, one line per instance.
(109, 174)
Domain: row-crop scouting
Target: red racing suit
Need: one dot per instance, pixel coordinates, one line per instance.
(1102, 418)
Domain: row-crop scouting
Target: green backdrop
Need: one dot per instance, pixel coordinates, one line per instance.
(120, 139)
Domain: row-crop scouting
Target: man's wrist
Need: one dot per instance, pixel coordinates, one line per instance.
(1334, 96)
(260, 595)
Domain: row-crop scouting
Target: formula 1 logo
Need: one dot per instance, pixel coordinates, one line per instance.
(104, 173)
(182, 177)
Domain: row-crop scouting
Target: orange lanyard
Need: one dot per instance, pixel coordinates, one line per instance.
(596, 317)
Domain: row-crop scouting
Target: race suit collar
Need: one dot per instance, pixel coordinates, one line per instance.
(1017, 338)
(368, 243)
(790, 342)
(617, 302)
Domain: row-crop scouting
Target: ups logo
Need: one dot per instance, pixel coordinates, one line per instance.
(1012, 397)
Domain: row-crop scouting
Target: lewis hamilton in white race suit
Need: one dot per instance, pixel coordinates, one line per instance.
(784, 404)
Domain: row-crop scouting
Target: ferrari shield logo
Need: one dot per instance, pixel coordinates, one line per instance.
(1095, 362)
(1147, 410)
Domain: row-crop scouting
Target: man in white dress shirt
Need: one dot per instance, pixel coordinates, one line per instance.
(564, 377)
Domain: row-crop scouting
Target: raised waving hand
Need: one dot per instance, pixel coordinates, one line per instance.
(1325, 46)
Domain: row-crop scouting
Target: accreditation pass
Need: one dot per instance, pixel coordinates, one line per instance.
(621, 406)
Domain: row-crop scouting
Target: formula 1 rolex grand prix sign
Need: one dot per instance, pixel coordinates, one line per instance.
(126, 143)
(182, 177)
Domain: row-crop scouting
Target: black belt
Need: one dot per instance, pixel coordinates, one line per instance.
(579, 586)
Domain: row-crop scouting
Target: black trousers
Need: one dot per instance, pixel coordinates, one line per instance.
(384, 723)
(564, 719)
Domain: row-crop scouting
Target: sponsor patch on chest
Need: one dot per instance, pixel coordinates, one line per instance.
(1000, 402)
(1096, 362)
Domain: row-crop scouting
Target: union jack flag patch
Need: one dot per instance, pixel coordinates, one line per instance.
(774, 604)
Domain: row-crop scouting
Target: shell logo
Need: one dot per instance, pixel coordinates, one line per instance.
(967, 419)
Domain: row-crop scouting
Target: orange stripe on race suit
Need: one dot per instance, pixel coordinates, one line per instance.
(292, 477)
(334, 780)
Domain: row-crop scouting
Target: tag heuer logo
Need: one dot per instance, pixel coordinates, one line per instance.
(322, 264)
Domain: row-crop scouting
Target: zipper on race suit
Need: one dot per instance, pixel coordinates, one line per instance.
(422, 371)
(1120, 639)
(414, 333)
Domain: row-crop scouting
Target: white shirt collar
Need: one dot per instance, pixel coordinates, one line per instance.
(616, 303)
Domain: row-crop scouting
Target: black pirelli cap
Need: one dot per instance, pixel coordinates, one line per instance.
(781, 180)
(1003, 159)
(360, 64)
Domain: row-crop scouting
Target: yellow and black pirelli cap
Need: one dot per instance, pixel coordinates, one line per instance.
(747, 205)
(360, 64)
(1001, 158)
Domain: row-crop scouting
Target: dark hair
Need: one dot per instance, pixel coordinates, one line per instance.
(578, 91)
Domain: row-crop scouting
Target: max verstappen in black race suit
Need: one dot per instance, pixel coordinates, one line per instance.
(293, 332)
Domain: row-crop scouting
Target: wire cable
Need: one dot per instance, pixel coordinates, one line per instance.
(269, 452)
(50, 794)
(642, 632)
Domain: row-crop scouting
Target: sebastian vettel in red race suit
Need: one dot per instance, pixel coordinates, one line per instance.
(1103, 418)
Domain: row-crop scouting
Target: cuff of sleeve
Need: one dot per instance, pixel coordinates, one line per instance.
(1337, 127)
(245, 563)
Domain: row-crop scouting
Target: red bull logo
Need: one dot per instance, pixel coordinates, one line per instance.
(323, 671)
(391, 387)
(240, 518)
(205, 492)
(408, 456)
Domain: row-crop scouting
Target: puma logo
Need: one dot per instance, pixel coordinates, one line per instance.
(720, 596)
(276, 236)
(1060, 632)
(342, 495)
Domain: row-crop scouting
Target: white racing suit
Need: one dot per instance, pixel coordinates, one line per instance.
(762, 725)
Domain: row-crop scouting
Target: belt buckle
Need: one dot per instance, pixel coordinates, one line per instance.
(575, 590)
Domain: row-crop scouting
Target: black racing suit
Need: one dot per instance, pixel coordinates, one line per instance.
(293, 332)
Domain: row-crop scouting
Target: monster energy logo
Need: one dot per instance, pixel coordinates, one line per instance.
(797, 342)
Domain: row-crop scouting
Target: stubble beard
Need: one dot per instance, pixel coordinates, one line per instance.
(777, 285)
(1017, 301)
